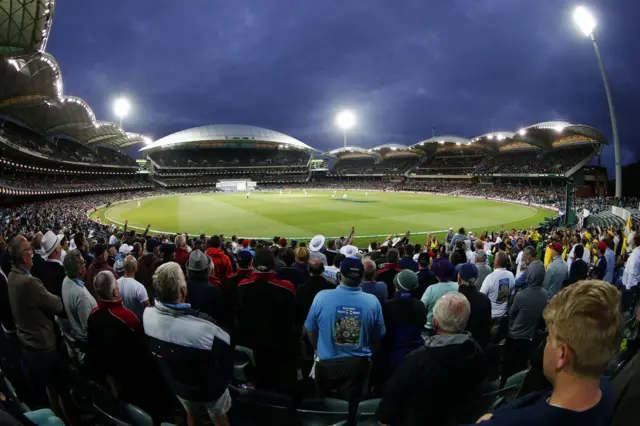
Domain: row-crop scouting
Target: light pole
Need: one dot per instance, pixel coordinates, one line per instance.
(121, 108)
(345, 120)
(587, 23)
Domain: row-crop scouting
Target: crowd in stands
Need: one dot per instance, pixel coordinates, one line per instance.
(557, 161)
(62, 149)
(230, 157)
(37, 182)
(427, 330)
(391, 165)
(445, 163)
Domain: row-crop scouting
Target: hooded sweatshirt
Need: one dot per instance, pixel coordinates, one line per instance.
(222, 265)
(528, 304)
(433, 382)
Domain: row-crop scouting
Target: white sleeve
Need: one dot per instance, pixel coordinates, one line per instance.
(486, 285)
(142, 293)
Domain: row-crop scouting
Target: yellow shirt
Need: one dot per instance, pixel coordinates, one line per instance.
(548, 256)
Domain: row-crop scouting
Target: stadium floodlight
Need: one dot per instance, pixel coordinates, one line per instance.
(522, 132)
(587, 24)
(346, 120)
(121, 108)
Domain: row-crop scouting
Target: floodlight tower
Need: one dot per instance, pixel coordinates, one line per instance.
(345, 120)
(587, 23)
(121, 108)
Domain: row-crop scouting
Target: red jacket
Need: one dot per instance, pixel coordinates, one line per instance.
(181, 256)
(222, 264)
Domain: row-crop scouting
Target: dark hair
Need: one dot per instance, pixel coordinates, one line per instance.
(400, 249)
(456, 258)
(392, 256)
(409, 250)
(288, 257)
(461, 231)
(337, 259)
(214, 241)
(316, 267)
(78, 238)
(264, 260)
(501, 259)
(276, 240)
(384, 250)
(244, 263)
(374, 245)
(578, 251)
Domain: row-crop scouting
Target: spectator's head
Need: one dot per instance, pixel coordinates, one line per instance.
(337, 259)
(405, 280)
(535, 274)
(459, 244)
(461, 231)
(451, 313)
(393, 256)
(369, 269)
(180, 242)
(74, 266)
(153, 246)
(620, 260)
(106, 286)
(481, 256)
(169, 283)
(375, 246)
(288, 257)
(234, 238)
(557, 248)
(264, 261)
(444, 270)
(478, 244)
(100, 252)
(21, 252)
(51, 245)
(467, 275)
(501, 260)
(113, 251)
(584, 323)
(245, 259)
(529, 255)
(276, 240)
(316, 243)
(214, 242)
(80, 241)
(130, 266)
(283, 242)
(409, 249)
(519, 242)
(167, 250)
(302, 255)
(423, 261)
(316, 267)
(199, 266)
(455, 257)
(636, 241)
(602, 247)
(383, 251)
(351, 271)
(137, 248)
(578, 251)
(36, 241)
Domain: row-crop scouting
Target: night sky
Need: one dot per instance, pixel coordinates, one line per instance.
(463, 66)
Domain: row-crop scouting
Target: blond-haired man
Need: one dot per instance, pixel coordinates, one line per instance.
(584, 323)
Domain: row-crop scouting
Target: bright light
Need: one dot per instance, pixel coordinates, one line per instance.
(584, 20)
(147, 140)
(490, 137)
(522, 132)
(121, 107)
(559, 129)
(440, 142)
(346, 120)
(457, 143)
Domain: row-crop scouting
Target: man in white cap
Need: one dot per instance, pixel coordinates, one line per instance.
(53, 271)
(316, 245)
(349, 250)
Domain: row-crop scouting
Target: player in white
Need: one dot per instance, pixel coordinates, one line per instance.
(305, 192)
(366, 193)
(333, 196)
(289, 191)
(138, 203)
(281, 192)
(248, 194)
(344, 196)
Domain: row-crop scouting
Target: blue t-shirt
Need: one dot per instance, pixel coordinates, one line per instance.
(534, 409)
(408, 263)
(347, 321)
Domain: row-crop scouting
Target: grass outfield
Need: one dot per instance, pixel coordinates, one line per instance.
(267, 214)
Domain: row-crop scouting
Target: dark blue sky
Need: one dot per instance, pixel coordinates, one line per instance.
(403, 66)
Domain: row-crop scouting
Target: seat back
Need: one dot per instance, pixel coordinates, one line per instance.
(322, 411)
(366, 415)
(138, 417)
(244, 364)
(260, 407)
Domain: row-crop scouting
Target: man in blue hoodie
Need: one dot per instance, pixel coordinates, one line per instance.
(584, 324)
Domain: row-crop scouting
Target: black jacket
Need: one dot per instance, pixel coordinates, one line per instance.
(426, 277)
(434, 384)
(6, 317)
(307, 292)
(52, 277)
(208, 299)
(479, 324)
(37, 270)
(386, 274)
(578, 271)
(294, 275)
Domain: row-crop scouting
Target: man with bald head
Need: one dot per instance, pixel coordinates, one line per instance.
(133, 293)
(314, 284)
(499, 285)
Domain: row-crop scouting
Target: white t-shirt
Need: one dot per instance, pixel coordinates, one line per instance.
(521, 267)
(498, 287)
(112, 240)
(133, 294)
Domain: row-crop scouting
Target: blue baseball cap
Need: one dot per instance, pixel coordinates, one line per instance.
(468, 271)
(351, 267)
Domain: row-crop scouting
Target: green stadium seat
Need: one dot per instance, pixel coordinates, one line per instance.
(323, 411)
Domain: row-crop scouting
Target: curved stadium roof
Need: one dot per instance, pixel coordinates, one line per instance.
(25, 24)
(232, 133)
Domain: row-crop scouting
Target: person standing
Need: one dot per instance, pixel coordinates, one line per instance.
(631, 274)
(557, 272)
(314, 285)
(479, 324)
(134, 295)
(480, 261)
(499, 285)
(370, 285)
(446, 274)
(610, 255)
(345, 327)
(53, 270)
(78, 302)
(33, 309)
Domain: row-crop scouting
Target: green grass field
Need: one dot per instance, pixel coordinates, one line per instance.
(267, 214)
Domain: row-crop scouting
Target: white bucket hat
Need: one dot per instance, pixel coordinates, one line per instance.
(50, 241)
(316, 243)
(349, 250)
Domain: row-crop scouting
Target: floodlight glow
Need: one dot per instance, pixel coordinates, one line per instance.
(584, 20)
(490, 137)
(440, 142)
(346, 120)
(147, 140)
(393, 148)
(522, 132)
(559, 129)
(121, 107)
(457, 143)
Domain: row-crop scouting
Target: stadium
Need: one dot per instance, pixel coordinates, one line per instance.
(204, 214)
